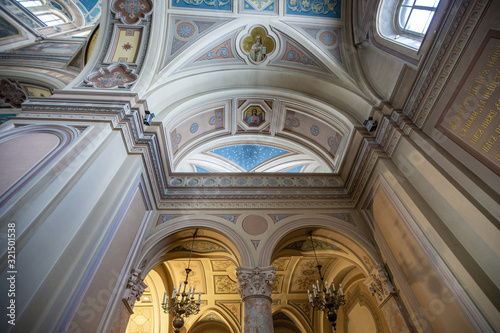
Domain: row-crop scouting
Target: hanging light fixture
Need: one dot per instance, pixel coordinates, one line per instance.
(324, 297)
(182, 304)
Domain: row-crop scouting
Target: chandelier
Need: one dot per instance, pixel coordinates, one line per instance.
(324, 297)
(182, 304)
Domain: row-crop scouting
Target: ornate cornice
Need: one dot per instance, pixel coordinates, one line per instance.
(123, 111)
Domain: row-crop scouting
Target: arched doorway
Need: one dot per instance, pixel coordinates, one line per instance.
(213, 261)
(342, 261)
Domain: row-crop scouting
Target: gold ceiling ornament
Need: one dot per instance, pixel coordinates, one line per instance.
(182, 304)
(324, 297)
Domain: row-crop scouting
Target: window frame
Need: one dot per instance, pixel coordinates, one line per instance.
(404, 30)
(44, 9)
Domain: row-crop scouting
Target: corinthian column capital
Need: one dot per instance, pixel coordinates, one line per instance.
(135, 289)
(255, 281)
(379, 285)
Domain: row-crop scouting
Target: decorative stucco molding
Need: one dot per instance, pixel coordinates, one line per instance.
(379, 285)
(135, 289)
(180, 191)
(131, 12)
(11, 93)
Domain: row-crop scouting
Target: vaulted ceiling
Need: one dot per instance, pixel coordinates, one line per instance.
(203, 82)
(236, 87)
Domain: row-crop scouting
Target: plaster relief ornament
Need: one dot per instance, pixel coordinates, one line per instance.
(131, 11)
(112, 76)
(135, 289)
(255, 281)
(379, 285)
(11, 93)
(258, 44)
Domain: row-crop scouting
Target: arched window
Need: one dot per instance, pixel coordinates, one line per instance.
(30, 3)
(415, 16)
(401, 25)
(50, 19)
(48, 12)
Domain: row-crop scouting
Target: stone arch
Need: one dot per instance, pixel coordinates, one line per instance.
(220, 321)
(155, 253)
(295, 316)
(156, 242)
(335, 225)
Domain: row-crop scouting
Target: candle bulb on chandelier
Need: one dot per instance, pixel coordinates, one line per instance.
(341, 291)
(333, 286)
(173, 293)
(199, 298)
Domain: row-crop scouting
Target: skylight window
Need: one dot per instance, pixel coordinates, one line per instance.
(30, 3)
(415, 16)
(50, 19)
(50, 13)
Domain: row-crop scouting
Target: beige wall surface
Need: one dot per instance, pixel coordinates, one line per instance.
(427, 285)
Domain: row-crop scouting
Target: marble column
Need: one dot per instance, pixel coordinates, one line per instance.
(255, 287)
(395, 314)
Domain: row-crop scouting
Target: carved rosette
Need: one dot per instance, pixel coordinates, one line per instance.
(379, 285)
(135, 289)
(256, 282)
(131, 11)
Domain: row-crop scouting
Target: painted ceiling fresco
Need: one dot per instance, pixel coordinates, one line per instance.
(91, 9)
(248, 156)
(257, 133)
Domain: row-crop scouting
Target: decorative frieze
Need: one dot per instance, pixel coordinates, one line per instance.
(135, 289)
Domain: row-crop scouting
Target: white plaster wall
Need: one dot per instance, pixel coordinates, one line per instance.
(381, 69)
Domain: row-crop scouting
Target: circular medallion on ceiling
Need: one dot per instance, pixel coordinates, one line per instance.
(185, 30)
(254, 225)
(315, 130)
(194, 127)
(328, 38)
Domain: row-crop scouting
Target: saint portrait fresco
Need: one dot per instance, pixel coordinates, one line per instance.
(253, 116)
(258, 44)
